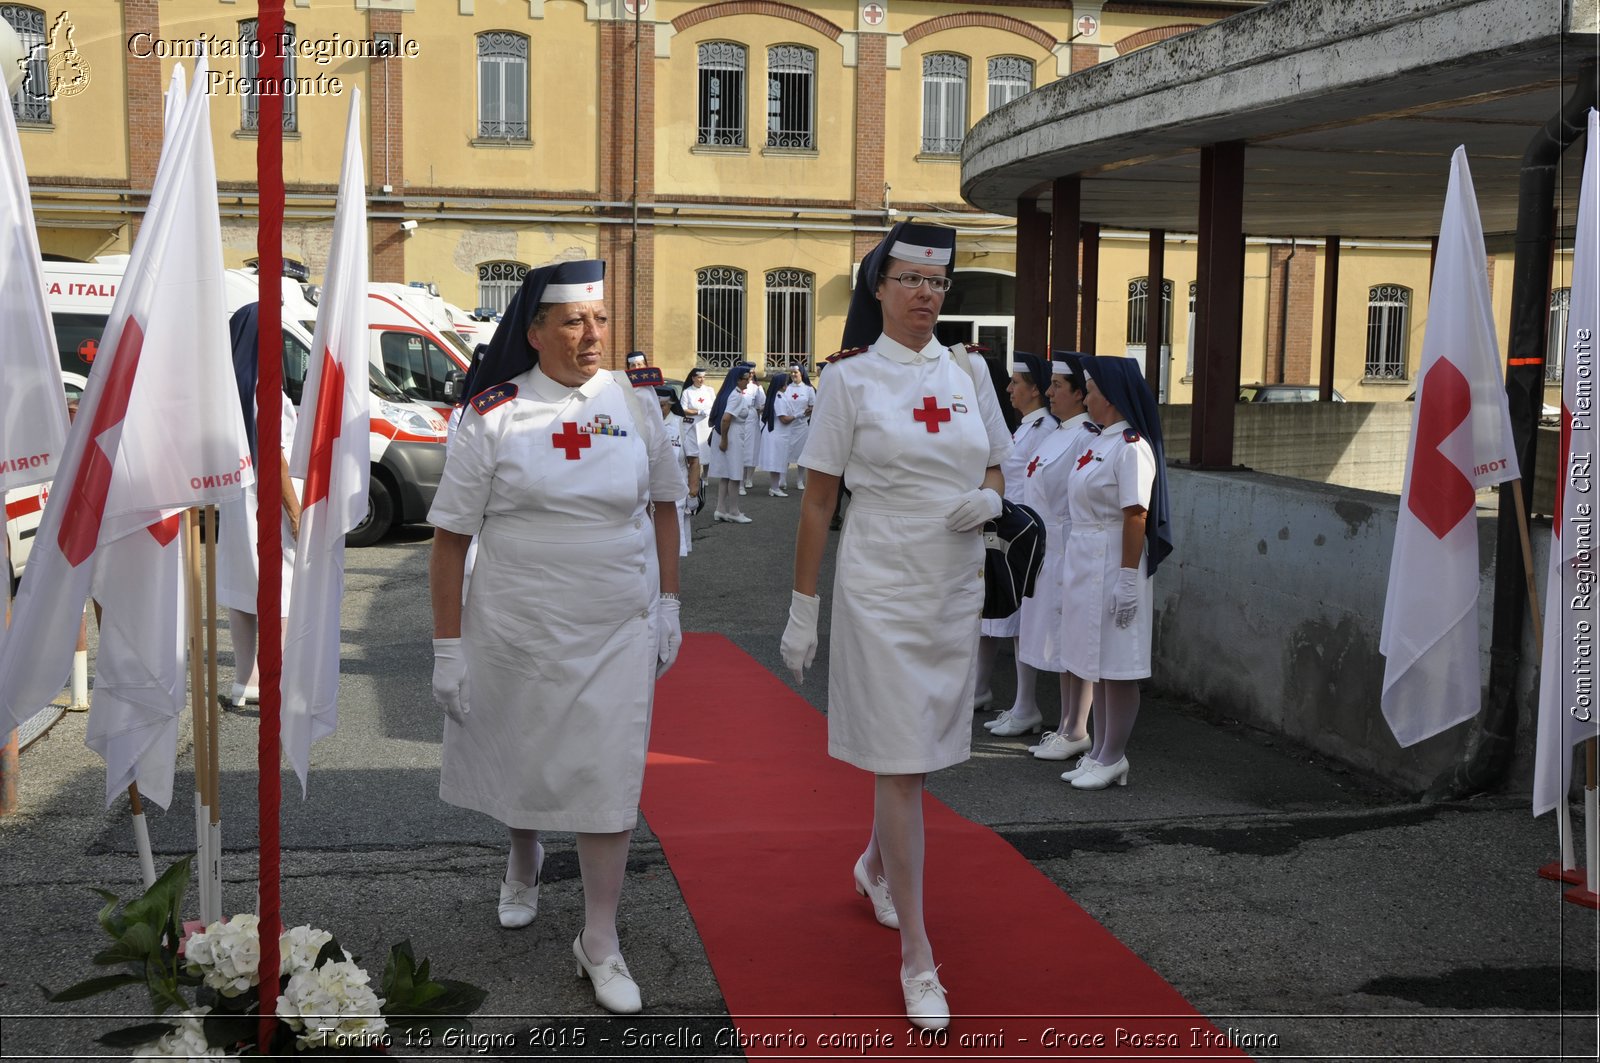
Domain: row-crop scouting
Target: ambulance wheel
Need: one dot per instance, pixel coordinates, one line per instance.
(380, 515)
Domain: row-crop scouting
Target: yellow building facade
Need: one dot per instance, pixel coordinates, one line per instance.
(730, 160)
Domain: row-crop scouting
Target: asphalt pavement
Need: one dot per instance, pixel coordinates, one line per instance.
(1311, 910)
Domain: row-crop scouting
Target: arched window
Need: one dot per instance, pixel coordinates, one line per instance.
(1556, 336)
(791, 110)
(1138, 311)
(31, 103)
(722, 66)
(498, 282)
(1010, 76)
(944, 102)
(1388, 331)
(789, 314)
(502, 86)
(719, 316)
(250, 70)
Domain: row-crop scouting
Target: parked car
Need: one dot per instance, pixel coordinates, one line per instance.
(1283, 393)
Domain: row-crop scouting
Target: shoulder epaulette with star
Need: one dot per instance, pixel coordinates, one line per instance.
(1130, 436)
(975, 348)
(485, 401)
(646, 376)
(848, 352)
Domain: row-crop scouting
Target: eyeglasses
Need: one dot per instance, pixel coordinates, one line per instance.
(915, 280)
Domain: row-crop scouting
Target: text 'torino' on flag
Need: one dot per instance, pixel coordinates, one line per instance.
(1460, 443)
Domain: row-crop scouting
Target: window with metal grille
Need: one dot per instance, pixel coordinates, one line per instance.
(502, 86)
(944, 102)
(791, 113)
(1138, 308)
(719, 316)
(498, 282)
(789, 315)
(722, 66)
(1556, 336)
(1388, 325)
(1010, 76)
(250, 70)
(31, 102)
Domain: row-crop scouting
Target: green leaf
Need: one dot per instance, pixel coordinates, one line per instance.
(111, 924)
(163, 991)
(92, 987)
(138, 944)
(134, 1036)
(225, 1031)
(160, 904)
(331, 953)
(399, 973)
(458, 998)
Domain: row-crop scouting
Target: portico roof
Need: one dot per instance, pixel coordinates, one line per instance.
(1349, 110)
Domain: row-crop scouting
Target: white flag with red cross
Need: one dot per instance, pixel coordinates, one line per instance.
(1460, 443)
(158, 427)
(33, 408)
(1568, 710)
(332, 453)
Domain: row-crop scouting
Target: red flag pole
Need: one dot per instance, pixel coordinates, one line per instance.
(269, 490)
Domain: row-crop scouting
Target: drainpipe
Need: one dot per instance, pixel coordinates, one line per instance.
(1283, 318)
(1488, 755)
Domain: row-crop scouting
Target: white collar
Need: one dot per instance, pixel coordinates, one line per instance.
(896, 351)
(541, 386)
(1033, 418)
(1075, 420)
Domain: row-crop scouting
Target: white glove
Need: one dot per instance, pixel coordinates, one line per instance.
(799, 646)
(691, 505)
(1125, 597)
(669, 634)
(450, 679)
(975, 509)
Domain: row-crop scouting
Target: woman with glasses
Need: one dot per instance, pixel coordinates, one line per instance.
(916, 431)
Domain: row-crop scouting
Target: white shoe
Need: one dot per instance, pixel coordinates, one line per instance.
(877, 892)
(747, 485)
(519, 904)
(614, 988)
(1017, 725)
(1103, 775)
(243, 695)
(741, 489)
(738, 518)
(983, 700)
(1057, 746)
(718, 516)
(777, 492)
(925, 1003)
(1084, 764)
(1004, 717)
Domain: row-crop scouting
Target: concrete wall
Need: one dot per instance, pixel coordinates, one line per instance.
(1271, 606)
(1353, 444)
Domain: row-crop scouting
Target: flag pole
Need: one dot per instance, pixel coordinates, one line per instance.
(214, 796)
(197, 691)
(141, 837)
(1591, 816)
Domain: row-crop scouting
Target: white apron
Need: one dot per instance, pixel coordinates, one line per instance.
(1039, 635)
(558, 628)
(803, 396)
(750, 425)
(1033, 429)
(729, 464)
(907, 592)
(697, 401)
(1111, 473)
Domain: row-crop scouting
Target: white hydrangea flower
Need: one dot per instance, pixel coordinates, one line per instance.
(298, 949)
(227, 954)
(186, 1041)
(331, 1006)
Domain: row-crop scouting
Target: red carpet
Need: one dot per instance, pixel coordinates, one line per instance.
(761, 828)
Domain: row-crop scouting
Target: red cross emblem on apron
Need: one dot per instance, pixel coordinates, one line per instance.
(931, 414)
(1033, 465)
(571, 440)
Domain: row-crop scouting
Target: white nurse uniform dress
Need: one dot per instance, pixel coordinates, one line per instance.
(1033, 429)
(1045, 476)
(558, 624)
(911, 433)
(1117, 470)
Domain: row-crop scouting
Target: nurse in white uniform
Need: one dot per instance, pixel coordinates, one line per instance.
(1030, 379)
(697, 399)
(750, 426)
(238, 571)
(779, 421)
(1117, 503)
(680, 433)
(547, 673)
(802, 394)
(915, 429)
(1040, 640)
(725, 452)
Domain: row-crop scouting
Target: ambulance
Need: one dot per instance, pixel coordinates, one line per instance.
(415, 345)
(406, 438)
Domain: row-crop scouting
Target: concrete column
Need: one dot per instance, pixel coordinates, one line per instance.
(871, 86)
(1065, 222)
(1153, 317)
(628, 169)
(1089, 329)
(1033, 277)
(1330, 316)
(1219, 317)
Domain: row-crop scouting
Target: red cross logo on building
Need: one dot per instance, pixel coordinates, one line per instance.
(1033, 465)
(931, 413)
(571, 440)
